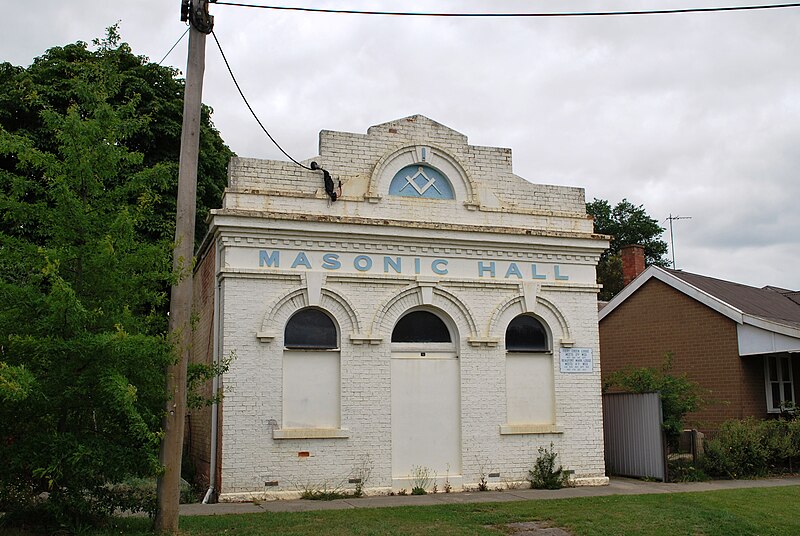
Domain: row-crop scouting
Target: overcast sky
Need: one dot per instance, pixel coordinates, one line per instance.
(692, 115)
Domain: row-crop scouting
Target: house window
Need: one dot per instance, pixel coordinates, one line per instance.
(780, 387)
(530, 395)
(311, 376)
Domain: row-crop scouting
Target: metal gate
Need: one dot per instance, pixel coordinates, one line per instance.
(634, 436)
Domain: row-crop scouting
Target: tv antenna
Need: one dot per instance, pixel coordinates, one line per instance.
(671, 238)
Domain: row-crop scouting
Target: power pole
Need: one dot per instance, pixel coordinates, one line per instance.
(180, 331)
(671, 238)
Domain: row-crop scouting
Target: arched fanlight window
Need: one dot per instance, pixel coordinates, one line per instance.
(312, 329)
(420, 180)
(526, 334)
(421, 326)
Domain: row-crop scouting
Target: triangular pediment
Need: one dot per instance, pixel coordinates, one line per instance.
(416, 122)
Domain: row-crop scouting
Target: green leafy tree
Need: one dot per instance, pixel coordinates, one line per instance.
(75, 76)
(88, 166)
(16, 383)
(627, 224)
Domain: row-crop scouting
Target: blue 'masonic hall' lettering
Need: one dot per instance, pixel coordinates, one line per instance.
(483, 269)
(301, 260)
(271, 259)
(362, 263)
(436, 266)
(513, 269)
(394, 263)
(330, 261)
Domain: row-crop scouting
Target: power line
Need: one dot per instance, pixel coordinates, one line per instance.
(514, 15)
(251, 108)
(173, 46)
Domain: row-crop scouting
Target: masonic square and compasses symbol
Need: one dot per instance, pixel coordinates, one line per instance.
(421, 182)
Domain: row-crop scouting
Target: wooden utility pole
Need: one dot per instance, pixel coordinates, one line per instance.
(180, 309)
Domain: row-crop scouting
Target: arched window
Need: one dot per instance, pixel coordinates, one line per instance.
(526, 334)
(530, 392)
(420, 180)
(421, 326)
(310, 329)
(311, 373)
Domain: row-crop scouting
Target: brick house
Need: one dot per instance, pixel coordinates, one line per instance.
(741, 343)
(439, 315)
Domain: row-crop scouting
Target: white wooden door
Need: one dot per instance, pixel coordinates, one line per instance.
(426, 414)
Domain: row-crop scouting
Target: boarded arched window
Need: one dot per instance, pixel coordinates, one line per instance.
(311, 372)
(421, 326)
(310, 329)
(526, 334)
(530, 392)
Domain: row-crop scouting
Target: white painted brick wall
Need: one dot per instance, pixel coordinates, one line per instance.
(279, 186)
(253, 397)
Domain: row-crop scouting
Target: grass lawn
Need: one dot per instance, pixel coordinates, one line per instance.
(760, 511)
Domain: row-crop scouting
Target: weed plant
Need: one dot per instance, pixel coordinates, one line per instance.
(545, 474)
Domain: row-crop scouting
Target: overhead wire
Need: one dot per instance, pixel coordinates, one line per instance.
(233, 77)
(516, 14)
(173, 46)
(454, 15)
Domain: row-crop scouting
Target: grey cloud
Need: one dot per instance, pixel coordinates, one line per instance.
(691, 114)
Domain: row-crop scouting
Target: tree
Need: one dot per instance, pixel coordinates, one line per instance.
(88, 166)
(627, 224)
(74, 75)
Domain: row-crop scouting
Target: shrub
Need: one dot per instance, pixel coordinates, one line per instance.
(737, 451)
(66, 511)
(544, 474)
(782, 440)
(685, 470)
(750, 448)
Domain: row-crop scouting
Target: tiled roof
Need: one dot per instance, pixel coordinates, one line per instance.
(771, 303)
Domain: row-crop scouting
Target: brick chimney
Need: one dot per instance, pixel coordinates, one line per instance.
(632, 262)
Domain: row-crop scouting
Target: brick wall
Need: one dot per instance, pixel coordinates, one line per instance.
(753, 389)
(657, 319)
(496, 214)
(499, 196)
(197, 440)
(253, 391)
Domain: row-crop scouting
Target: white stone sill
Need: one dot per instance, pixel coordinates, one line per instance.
(311, 433)
(518, 429)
